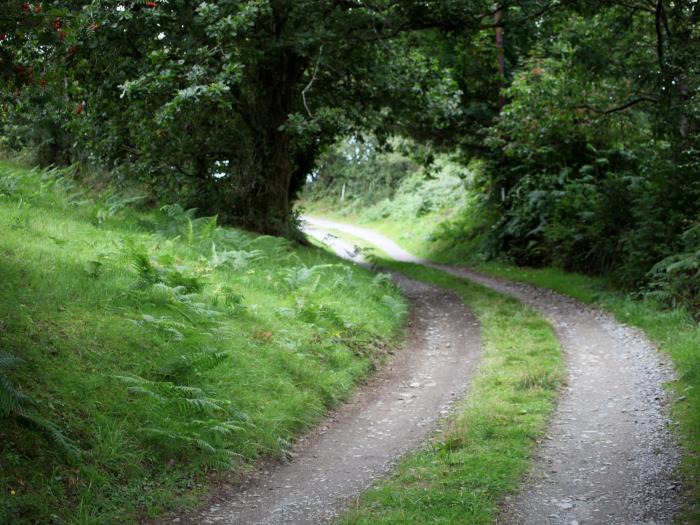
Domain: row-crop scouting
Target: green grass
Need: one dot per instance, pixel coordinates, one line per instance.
(487, 442)
(164, 347)
(585, 288)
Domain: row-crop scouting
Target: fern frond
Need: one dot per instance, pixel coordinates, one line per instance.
(205, 446)
(130, 379)
(210, 434)
(12, 401)
(140, 390)
(187, 365)
(206, 226)
(52, 432)
(141, 262)
(187, 392)
(9, 361)
(225, 429)
(200, 405)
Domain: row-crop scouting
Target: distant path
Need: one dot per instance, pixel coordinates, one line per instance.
(391, 415)
(609, 457)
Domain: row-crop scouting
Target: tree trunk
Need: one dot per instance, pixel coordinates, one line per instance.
(501, 59)
(267, 206)
(266, 201)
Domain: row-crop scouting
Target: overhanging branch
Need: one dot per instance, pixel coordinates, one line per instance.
(308, 86)
(615, 109)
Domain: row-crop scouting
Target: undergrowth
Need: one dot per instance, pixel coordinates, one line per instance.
(141, 351)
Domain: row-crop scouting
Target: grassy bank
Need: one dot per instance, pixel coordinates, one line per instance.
(141, 350)
(486, 444)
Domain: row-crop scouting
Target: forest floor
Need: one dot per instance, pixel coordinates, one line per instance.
(609, 456)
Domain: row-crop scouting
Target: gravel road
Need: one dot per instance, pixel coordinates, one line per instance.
(609, 457)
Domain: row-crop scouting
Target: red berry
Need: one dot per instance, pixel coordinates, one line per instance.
(79, 109)
(38, 8)
(57, 24)
(151, 5)
(25, 6)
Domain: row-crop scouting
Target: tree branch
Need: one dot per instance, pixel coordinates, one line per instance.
(308, 86)
(659, 34)
(615, 109)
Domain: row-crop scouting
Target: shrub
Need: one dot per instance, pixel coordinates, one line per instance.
(676, 279)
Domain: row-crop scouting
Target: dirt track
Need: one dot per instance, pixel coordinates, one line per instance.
(609, 457)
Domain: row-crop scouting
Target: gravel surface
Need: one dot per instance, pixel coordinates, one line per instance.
(609, 456)
(393, 414)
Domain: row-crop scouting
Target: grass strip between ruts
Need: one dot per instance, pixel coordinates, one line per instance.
(486, 443)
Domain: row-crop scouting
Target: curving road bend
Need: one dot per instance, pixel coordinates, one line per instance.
(393, 414)
(609, 456)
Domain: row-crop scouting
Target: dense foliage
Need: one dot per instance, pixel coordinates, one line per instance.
(223, 105)
(589, 127)
(593, 162)
(140, 350)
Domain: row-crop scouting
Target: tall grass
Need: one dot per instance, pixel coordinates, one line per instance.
(162, 346)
